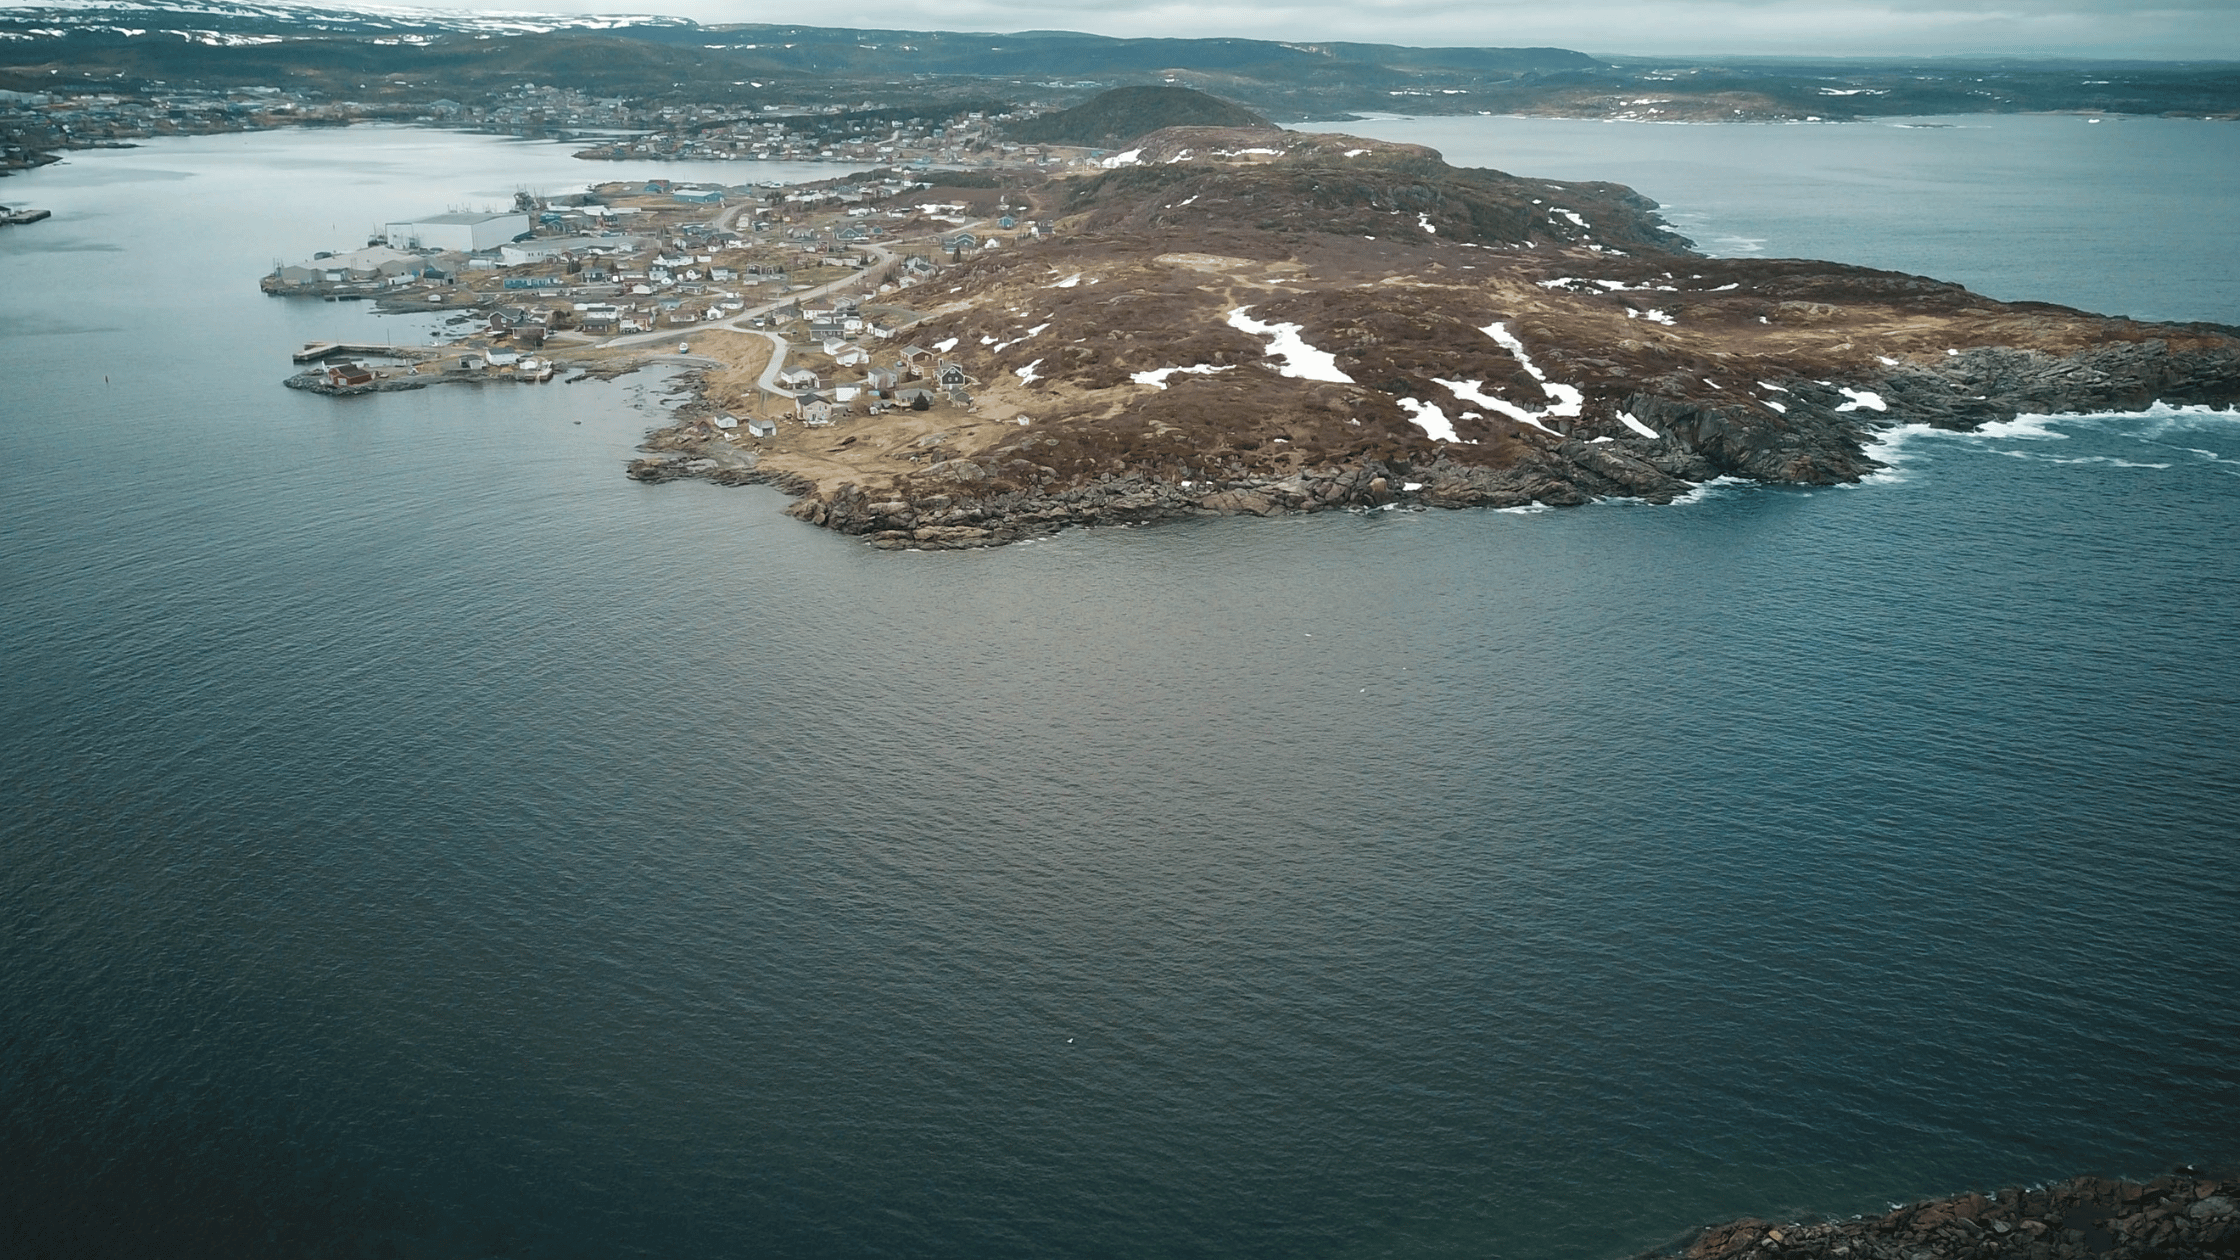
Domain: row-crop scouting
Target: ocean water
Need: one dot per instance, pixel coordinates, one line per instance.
(2091, 211)
(416, 839)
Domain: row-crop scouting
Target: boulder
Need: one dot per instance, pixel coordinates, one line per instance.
(1237, 503)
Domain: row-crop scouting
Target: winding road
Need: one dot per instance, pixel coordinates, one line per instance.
(881, 256)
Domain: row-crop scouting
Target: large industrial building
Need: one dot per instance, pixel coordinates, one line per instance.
(466, 233)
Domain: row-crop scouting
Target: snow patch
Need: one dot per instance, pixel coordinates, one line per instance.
(1299, 359)
(1474, 392)
(1117, 160)
(1002, 346)
(1027, 373)
(1635, 424)
(1865, 398)
(1568, 400)
(1157, 377)
(1430, 419)
(946, 344)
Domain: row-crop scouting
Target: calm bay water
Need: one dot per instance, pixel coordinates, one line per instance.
(2124, 216)
(417, 839)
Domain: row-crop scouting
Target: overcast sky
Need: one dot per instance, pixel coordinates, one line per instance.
(2186, 29)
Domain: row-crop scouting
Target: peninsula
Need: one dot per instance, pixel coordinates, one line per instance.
(1249, 320)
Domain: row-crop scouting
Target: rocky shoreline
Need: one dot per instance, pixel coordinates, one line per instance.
(1820, 439)
(2181, 1216)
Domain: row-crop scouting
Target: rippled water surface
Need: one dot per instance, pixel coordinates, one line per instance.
(417, 839)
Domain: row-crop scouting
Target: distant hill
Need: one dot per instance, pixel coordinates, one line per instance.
(353, 49)
(1111, 119)
(390, 54)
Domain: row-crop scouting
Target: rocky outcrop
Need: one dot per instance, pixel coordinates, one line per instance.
(1819, 438)
(1577, 473)
(2121, 376)
(2178, 1217)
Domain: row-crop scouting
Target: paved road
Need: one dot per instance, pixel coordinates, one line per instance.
(778, 348)
(881, 256)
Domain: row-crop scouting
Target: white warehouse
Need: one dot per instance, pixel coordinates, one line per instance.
(466, 233)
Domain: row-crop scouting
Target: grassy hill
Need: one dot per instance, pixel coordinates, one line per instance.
(1111, 119)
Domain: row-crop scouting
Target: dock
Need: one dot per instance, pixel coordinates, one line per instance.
(315, 351)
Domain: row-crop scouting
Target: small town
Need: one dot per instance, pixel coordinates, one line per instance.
(866, 134)
(35, 126)
(811, 285)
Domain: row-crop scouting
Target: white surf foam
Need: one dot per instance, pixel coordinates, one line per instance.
(1717, 487)
(2021, 427)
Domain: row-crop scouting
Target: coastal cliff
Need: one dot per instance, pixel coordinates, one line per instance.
(1242, 321)
(2177, 1217)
